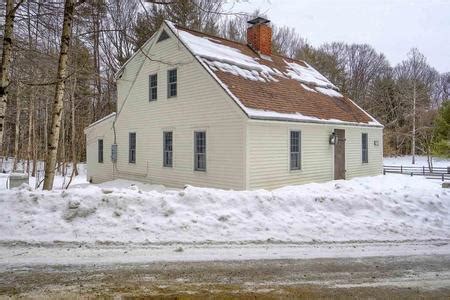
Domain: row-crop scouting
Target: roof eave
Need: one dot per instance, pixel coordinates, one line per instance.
(323, 122)
(113, 114)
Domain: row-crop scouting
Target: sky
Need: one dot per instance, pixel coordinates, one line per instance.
(392, 27)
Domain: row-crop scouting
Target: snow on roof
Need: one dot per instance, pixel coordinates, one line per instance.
(257, 113)
(308, 75)
(329, 92)
(221, 56)
(224, 56)
(228, 59)
(101, 120)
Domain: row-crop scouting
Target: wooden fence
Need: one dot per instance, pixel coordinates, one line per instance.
(442, 173)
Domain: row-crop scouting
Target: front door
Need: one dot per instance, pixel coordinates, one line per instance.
(339, 154)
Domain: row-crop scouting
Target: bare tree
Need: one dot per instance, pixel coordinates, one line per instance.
(50, 162)
(416, 81)
(6, 60)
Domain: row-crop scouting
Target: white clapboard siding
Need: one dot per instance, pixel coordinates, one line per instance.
(99, 172)
(201, 104)
(268, 153)
(241, 153)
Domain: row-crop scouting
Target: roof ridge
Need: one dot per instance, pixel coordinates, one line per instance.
(237, 42)
(210, 35)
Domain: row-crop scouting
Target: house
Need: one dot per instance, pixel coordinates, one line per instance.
(205, 111)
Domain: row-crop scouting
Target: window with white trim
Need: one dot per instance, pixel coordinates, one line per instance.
(365, 148)
(295, 150)
(153, 87)
(172, 83)
(100, 151)
(132, 147)
(200, 150)
(167, 148)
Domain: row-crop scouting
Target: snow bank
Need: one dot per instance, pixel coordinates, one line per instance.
(60, 181)
(392, 207)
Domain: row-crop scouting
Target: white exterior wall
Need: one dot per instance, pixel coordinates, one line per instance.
(241, 153)
(268, 153)
(99, 172)
(201, 104)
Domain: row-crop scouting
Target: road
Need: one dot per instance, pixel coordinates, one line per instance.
(406, 270)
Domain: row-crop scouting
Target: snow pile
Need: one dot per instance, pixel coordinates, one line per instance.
(392, 207)
(60, 181)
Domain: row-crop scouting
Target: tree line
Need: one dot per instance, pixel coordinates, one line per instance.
(59, 59)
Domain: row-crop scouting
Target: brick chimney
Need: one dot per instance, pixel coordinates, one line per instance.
(259, 35)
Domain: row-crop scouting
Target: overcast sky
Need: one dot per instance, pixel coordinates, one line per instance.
(392, 27)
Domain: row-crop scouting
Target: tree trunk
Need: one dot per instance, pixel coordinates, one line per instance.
(34, 148)
(30, 131)
(10, 11)
(413, 141)
(50, 161)
(17, 128)
(73, 128)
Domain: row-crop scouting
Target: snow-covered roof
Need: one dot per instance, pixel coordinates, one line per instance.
(113, 114)
(271, 87)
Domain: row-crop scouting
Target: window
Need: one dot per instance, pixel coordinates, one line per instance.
(295, 157)
(132, 147)
(153, 87)
(163, 36)
(100, 151)
(200, 150)
(172, 83)
(167, 148)
(364, 148)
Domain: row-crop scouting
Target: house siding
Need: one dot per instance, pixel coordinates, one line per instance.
(241, 153)
(268, 153)
(200, 104)
(99, 172)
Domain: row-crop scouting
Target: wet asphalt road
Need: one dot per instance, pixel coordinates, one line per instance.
(400, 277)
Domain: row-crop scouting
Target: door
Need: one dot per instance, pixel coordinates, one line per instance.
(339, 154)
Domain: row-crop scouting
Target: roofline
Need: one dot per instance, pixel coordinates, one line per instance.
(323, 122)
(120, 70)
(100, 120)
(240, 43)
(210, 72)
(243, 108)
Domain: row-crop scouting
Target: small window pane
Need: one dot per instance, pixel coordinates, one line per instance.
(200, 150)
(172, 83)
(295, 154)
(132, 147)
(153, 87)
(168, 149)
(365, 150)
(100, 151)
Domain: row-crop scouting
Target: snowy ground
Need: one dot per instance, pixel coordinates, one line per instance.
(390, 233)
(420, 161)
(380, 208)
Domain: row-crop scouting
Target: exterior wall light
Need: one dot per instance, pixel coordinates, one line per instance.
(333, 138)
